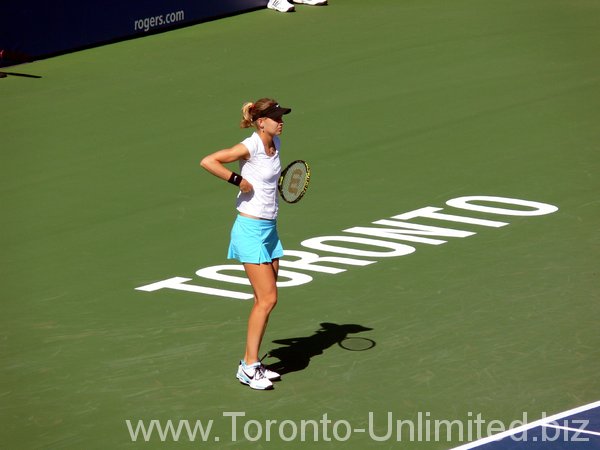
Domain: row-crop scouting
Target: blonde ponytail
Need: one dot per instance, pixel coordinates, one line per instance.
(246, 115)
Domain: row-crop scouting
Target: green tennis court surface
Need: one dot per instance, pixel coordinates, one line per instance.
(398, 105)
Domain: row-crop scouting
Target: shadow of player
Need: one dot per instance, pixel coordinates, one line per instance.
(298, 351)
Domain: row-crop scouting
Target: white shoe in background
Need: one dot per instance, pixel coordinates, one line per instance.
(281, 5)
(311, 2)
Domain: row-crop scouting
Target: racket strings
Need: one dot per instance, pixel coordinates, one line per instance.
(294, 182)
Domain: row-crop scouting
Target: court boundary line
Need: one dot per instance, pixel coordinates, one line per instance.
(540, 422)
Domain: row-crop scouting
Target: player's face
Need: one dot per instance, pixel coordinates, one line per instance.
(273, 126)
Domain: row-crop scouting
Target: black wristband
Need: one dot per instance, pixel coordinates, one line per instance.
(235, 179)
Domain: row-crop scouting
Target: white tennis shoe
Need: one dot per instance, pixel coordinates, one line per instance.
(254, 376)
(271, 375)
(311, 2)
(280, 5)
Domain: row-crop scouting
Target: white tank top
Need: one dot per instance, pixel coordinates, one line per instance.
(262, 172)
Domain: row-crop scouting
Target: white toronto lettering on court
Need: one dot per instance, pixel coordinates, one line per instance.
(381, 242)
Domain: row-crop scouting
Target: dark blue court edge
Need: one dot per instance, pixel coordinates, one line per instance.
(35, 29)
(540, 438)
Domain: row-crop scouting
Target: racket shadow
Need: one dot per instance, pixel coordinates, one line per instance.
(296, 353)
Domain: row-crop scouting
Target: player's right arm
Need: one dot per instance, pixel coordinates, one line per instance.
(215, 163)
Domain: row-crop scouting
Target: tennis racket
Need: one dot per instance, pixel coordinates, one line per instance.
(293, 181)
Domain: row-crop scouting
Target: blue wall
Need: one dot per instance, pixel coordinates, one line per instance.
(31, 29)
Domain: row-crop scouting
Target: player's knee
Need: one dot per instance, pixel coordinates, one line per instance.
(272, 302)
(268, 302)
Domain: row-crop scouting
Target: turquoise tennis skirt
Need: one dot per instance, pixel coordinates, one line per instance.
(254, 241)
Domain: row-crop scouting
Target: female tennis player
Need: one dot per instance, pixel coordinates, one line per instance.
(254, 239)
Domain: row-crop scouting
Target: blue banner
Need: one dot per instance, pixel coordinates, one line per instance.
(32, 29)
